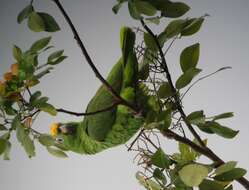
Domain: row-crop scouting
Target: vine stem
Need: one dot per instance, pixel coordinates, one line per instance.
(170, 134)
(89, 60)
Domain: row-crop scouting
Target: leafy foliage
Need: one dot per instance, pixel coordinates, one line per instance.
(142, 97)
(19, 105)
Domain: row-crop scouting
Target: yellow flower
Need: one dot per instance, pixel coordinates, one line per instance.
(54, 129)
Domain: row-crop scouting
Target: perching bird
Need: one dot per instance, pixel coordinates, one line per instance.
(117, 125)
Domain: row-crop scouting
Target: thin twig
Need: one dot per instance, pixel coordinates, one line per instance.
(170, 45)
(135, 140)
(87, 113)
(168, 76)
(150, 141)
(202, 78)
(202, 149)
(89, 60)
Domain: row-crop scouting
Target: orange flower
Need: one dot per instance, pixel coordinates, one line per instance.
(54, 129)
(2, 87)
(16, 96)
(14, 69)
(7, 76)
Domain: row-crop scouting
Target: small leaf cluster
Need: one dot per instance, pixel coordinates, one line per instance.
(37, 21)
(210, 125)
(19, 104)
(182, 171)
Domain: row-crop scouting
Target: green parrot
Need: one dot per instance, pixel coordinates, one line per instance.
(117, 125)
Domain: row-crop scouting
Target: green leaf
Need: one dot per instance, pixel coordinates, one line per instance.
(29, 146)
(38, 103)
(141, 179)
(57, 61)
(5, 136)
(167, 120)
(34, 96)
(145, 8)
(148, 184)
(48, 108)
(225, 167)
(158, 174)
(40, 44)
(55, 55)
(193, 174)
(223, 116)
(56, 152)
(214, 127)
(231, 175)
(7, 151)
(174, 28)
(187, 77)
(46, 140)
(36, 23)
(154, 20)
(116, 7)
(165, 91)
(16, 123)
(49, 22)
(160, 159)
(196, 117)
(44, 72)
(133, 11)
(25, 13)
(197, 154)
(28, 63)
(222, 130)
(186, 152)
(3, 143)
(17, 53)
(22, 134)
(210, 185)
(153, 125)
(150, 42)
(174, 9)
(33, 82)
(189, 57)
(192, 27)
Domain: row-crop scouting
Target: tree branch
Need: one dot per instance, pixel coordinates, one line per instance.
(170, 134)
(89, 60)
(87, 113)
(203, 150)
(176, 98)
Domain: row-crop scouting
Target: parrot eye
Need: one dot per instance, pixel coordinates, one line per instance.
(59, 140)
(67, 129)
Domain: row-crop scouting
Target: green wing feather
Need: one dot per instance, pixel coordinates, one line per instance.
(98, 125)
(116, 126)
